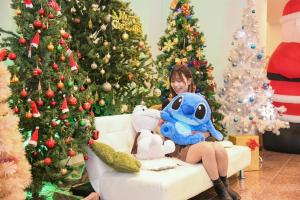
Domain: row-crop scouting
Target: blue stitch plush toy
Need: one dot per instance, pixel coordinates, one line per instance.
(188, 112)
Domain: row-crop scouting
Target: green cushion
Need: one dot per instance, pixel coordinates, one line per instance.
(121, 162)
(124, 162)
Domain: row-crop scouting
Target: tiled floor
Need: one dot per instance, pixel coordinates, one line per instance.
(278, 179)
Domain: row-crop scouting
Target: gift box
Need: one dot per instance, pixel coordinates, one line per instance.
(252, 141)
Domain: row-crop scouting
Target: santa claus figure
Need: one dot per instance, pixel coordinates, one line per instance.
(284, 64)
(284, 76)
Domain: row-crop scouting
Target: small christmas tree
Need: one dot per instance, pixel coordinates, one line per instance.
(115, 54)
(184, 44)
(246, 97)
(15, 173)
(51, 94)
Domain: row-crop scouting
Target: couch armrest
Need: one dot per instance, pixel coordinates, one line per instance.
(95, 168)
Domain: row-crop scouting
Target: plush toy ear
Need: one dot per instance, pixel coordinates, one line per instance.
(121, 162)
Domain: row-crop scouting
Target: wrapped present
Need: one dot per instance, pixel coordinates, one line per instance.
(252, 141)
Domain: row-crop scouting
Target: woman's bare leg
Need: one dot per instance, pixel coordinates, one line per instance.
(222, 158)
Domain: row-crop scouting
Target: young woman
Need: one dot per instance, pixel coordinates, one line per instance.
(212, 154)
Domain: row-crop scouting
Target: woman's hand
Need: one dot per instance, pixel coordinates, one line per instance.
(205, 134)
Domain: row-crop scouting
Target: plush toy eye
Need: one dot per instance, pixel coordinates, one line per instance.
(176, 104)
(200, 112)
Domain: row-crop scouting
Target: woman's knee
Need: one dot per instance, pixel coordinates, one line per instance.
(207, 148)
(219, 148)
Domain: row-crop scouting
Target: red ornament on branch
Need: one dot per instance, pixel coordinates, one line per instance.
(34, 109)
(64, 106)
(28, 4)
(34, 137)
(12, 56)
(22, 41)
(49, 93)
(72, 100)
(50, 143)
(3, 54)
(71, 153)
(23, 93)
(47, 161)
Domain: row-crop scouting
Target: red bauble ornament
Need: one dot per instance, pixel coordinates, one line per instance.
(51, 16)
(23, 93)
(50, 143)
(12, 56)
(60, 85)
(91, 142)
(44, 27)
(80, 108)
(77, 20)
(85, 157)
(95, 135)
(62, 78)
(53, 103)
(67, 124)
(22, 41)
(86, 106)
(55, 67)
(41, 12)
(63, 116)
(16, 109)
(37, 23)
(82, 88)
(37, 71)
(71, 153)
(91, 101)
(47, 161)
(66, 35)
(40, 102)
(72, 101)
(92, 114)
(53, 123)
(49, 93)
(35, 153)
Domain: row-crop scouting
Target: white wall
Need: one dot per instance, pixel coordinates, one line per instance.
(218, 19)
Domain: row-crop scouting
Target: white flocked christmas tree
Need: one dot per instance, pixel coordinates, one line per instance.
(246, 97)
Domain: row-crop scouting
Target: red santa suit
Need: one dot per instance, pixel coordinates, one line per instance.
(284, 65)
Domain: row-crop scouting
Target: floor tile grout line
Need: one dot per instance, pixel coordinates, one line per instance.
(286, 162)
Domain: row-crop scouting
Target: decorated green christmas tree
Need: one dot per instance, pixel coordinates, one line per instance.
(50, 92)
(183, 44)
(114, 52)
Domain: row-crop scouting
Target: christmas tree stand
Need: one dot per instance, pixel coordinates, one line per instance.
(287, 142)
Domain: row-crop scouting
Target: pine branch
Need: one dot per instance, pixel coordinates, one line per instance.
(9, 32)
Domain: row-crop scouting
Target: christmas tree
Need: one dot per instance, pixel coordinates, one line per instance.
(114, 52)
(246, 97)
(50, 93)
(14, 168)
(184, 44)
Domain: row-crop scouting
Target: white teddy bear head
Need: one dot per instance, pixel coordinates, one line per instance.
(144, 118)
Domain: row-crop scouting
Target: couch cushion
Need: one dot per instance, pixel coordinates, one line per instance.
(182, 182)
(116, 131)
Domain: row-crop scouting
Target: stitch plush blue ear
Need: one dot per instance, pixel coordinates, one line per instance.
(186, 113)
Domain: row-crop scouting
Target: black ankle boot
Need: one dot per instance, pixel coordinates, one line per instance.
(232, 193)
(221, 190)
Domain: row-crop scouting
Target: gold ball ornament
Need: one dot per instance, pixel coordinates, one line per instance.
(94, 65)
(157, 92)
(141, 44)
(50, 46)
(75, 88)
(105, 43)
(63, 171)
(107, 18)
(107, 87)
(114, 48)
(62, 32)
(125, 36)
(124, 108)
(88, 80)
(102, 71)
(108, 56)
(106, 60)
(103, 27)
(101, 102)
(117, 85)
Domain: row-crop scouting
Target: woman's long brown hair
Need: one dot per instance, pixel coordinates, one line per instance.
(180, 71)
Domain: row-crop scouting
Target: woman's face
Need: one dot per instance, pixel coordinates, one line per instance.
(180, 83)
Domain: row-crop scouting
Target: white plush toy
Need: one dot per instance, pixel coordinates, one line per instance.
(149, 144)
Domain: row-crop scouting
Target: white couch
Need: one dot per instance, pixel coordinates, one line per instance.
(179, 183)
